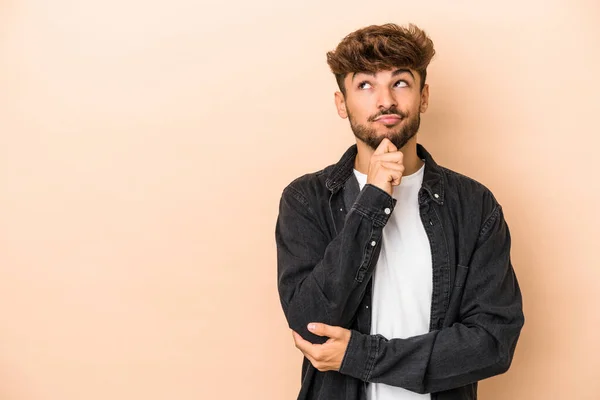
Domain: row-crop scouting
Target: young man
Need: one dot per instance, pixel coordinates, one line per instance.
(394, 272)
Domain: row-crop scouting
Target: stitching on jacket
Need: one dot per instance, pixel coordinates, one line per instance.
(489, 221)
(373, 352)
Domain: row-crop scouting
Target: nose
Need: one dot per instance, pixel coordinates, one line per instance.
(386, 99)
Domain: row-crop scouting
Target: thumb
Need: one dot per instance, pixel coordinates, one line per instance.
(320, 329)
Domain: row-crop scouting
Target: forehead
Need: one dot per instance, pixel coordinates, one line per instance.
(384, 73)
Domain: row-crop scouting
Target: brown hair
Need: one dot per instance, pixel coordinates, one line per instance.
(379, 47)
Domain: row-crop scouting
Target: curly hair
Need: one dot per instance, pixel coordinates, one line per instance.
(378, 47)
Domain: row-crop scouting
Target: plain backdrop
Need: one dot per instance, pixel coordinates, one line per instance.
(144, 146)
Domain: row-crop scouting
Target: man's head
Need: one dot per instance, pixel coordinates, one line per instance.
(381, 73)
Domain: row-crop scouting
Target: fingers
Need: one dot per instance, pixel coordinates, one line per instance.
(386, 166)
(328, 356)
(385, 146)
(396, 156)
(393, 166)
(310, 350)
(301, 344)
(394, 178)
(392, 172)
(323, 329)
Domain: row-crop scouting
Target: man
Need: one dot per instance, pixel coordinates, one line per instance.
(394, 272)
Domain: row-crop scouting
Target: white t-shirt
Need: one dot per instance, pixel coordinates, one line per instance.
(402, 282)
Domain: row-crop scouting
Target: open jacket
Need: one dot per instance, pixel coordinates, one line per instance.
(328, 235)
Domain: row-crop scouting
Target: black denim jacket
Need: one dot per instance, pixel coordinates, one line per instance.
(328, 235)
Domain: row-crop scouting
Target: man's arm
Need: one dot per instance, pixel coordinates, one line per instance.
(319, 280)
(481, 345)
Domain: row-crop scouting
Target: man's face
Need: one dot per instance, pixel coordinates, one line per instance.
(385, 104)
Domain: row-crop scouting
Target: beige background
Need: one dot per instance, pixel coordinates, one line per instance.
(144, 146)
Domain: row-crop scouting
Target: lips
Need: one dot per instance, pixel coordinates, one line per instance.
(388, 119)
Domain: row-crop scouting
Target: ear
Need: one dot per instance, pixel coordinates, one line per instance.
(340, 105)
(424, 98)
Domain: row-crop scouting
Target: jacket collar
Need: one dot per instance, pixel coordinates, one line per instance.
(433, 181)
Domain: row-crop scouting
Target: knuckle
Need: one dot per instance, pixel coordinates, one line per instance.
(318, 355)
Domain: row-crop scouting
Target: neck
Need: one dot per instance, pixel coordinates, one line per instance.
(412, 162)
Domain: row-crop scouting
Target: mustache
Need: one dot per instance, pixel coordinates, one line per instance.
(389, 111)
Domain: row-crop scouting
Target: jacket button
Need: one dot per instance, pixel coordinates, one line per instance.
(436, 195)
(373, 243)
(387, 211)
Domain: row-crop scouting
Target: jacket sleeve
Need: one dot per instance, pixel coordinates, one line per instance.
(479, 346)
(322, 279)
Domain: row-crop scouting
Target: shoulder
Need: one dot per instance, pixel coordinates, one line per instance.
(462, 182)
(470, 195)
(308, 185)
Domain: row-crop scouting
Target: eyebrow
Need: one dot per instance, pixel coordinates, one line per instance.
(396, 72)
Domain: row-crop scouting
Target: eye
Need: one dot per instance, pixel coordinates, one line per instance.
(401, 83)
(364, 85)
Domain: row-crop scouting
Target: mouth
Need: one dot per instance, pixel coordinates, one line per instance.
(388, 119)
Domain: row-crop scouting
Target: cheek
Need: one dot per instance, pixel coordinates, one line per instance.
(356, 112)
(361, 110)
(411, 106)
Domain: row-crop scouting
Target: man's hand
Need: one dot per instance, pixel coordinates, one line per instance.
(386, 166)
(329, 355)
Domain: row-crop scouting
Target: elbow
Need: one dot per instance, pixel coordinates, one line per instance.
(299, 314)
(506, 357)
(502, 365)
(507, 348)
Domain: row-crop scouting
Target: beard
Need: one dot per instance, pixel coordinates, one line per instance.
(399, 136)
